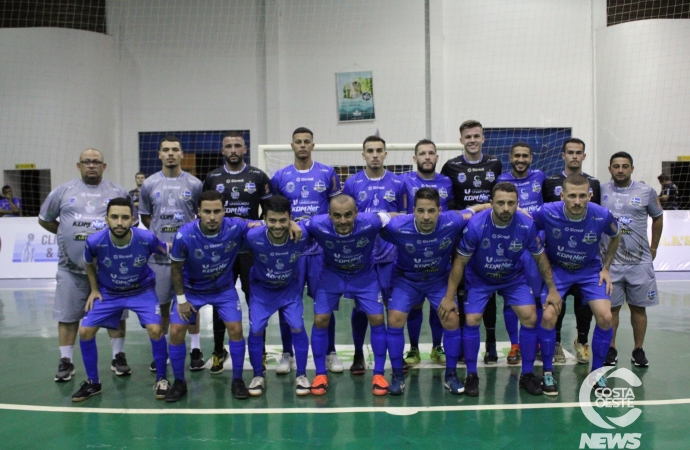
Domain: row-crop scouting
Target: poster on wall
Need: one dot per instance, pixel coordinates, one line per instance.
(26, 249)
(355, 93)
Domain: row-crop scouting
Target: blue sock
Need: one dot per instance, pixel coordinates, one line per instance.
(470, 343)
(285, 333)
(160, 355)
(360, 322)
(396, 345)
(452, 339)
(547, 342)
(331, 335)
(89, 354)
(511, 320)
(237, 352)
(378, 345)
(178, 353)
(255, 344)
(319, 344)
(528, 347)
(414, 326)
(436, 328)
(601, 340)
(301, 351)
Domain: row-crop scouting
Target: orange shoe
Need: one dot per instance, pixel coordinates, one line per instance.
(319, 385)
(380, 385)
(514, 356)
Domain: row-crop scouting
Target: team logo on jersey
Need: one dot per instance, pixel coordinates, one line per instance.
(618, 204)
(362, 242)
(489, 259)
(477, 181)
(445, 243)
(186, 195)
(230, 246)
(71, 200)
(572, 243)
(198, 253)
(590, 238)
(605, 197)
(235, 193)
(279, 264)
(305, 192)
(89, 207)
(515, 245)
(524, 194)
(556, 233)
(320, 186)
(295, 256)
(389, 196)
(536, 187)
(486, 243)
(500, 251)
(215, 257)
(410, 248)
(220, 188)
(250, 187)
(462, 177)
(625, 220)
(107, 262)
(330, 245)
(490, 176)
(157, 194)
(347, 250)
(263, 258)
(98, 224)
(376, 200)
(651, 295)
(362, 196)
(635, 201)
(290, 187)
(442, 192)
(558, 190)
(428, 252)
(123, 268)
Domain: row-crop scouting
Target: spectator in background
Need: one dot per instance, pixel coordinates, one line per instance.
(9, 205)
(139, 178)
(668, 197)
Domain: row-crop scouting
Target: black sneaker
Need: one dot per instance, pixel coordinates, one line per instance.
(531, 383)
(472, 385)
(218, 362)
(152, 366)
(119, 365)
(611, 357)
(65, 370)
(239, 390)
(639, 358)
(196, 360)
(161, 388)
(87, 389)
(176, 392)
(358, 366)
(490, 356)
(548, 384)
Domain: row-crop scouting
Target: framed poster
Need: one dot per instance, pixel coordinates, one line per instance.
(355, 93)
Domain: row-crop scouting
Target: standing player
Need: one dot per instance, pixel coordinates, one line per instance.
(490, 256)
(374, 189)
(244, 189)
(168, 201)
(572, 229)
(115, 262)
(309, 186)
(424, 242)
(347, 240)
(73, 211)
(134, 194)
(474, 175)
(425, 157)
(529, 183)
(573, 154)
(632, 270)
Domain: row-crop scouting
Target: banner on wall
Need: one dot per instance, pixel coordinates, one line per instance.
(673, 253)
(26, 249)
(355, 93)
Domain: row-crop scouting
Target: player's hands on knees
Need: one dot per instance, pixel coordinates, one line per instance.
(295, 231)
(555, 300)
(447, 307)
(185, 310)
(92, 297)
(605, 276)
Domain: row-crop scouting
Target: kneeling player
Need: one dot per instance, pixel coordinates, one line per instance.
(116, 263)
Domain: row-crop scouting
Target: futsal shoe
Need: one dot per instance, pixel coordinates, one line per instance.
(558, 354)
(239, 389)
(490, 355)
(638, 358)
(453, 384)
(65, 371)
(514, 356)
(612, 357)
(379, 385)
(176, 392)
(219, 361)
(397, 386)
(256, 387)
(358, 366)
(196, 360)
(581, 352)
(319, 385)
(548, 384)
(119, 365)
(302, 386)
(333, 363)
(472, 385)
(161, 388)
(531, 383)
(88, 389)
(438, 355)
(285, 364)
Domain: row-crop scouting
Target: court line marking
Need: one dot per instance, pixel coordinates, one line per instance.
(399, 411)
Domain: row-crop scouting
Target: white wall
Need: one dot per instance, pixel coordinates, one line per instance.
(643, 88)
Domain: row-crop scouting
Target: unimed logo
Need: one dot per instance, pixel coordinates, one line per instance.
(605, 400)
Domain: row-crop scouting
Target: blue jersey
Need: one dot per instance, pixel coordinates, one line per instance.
(574, 244)
(441, 183)
(208, 260)
(275, 266)
(124, 271)
(529, 188)
(385, 194)
(425, 256)
(309, 191)
(496, 251)
(350, 254)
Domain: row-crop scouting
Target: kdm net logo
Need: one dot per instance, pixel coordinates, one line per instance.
(609, 400)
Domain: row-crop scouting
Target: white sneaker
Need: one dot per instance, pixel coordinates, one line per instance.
(286, 363)
(256, 387)
(333, 363)
(302, 385)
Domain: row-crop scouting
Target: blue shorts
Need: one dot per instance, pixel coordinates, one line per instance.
(587, 279)
(536, 282)
(407, 293)
(266, 302)
(108, 313)
(363, 287)
(227, 304)
(515, 293)
(309, 271)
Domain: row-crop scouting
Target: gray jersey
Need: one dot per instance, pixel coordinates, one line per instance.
(171, 202)
(81, 209)
(631, 206)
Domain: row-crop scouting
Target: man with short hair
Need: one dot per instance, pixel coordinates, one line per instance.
(10, 206)
(139, 179)
(168, 201)
(490, 257)
(425, 157)
(309, 185)
(669, 192)
(374, 189)
(573, 154)
(115, 261)
(73, 211)
(632, 270)
(244, 190)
